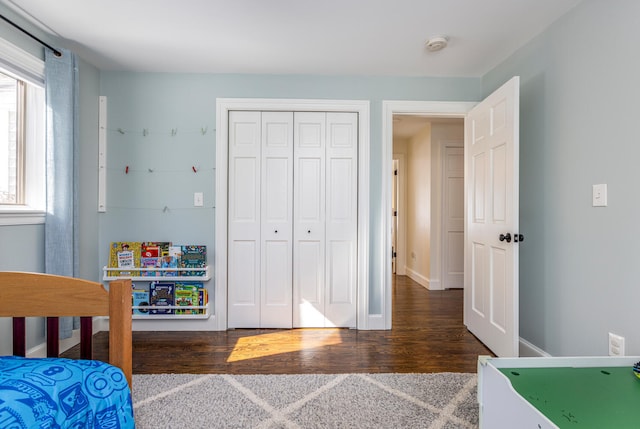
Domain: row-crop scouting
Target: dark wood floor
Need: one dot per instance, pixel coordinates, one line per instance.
(427, 336)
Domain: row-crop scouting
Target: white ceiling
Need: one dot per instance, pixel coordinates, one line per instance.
(328, 37)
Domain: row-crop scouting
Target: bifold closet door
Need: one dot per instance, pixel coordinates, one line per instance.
(325, 219)
(260, 220)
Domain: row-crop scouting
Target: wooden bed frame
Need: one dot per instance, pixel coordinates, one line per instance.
(45, 295)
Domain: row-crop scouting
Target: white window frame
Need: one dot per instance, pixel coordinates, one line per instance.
(30, 69)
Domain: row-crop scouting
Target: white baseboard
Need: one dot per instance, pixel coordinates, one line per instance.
(375, 322)
(417, 277)
(435, 285)
(529, 350)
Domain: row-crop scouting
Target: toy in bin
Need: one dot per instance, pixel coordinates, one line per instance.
(636, 369)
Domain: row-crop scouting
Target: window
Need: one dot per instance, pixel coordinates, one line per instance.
(11, 152)
(22, 137)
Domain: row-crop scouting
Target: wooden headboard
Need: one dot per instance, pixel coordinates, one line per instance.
(45, 295)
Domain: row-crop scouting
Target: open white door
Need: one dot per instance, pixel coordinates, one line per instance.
(491, 221)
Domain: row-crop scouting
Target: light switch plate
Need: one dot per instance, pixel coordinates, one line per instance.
(198, 199)
(600, 195)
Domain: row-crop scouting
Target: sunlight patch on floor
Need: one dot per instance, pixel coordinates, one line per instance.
(275, 343)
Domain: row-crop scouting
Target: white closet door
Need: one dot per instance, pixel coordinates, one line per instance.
(277, 212)
(309, 220)
(325, 219)
(341, 219)
(244, 219)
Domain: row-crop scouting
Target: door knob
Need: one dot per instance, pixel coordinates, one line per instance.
(308, 231)
(276, 231)
(506, 237)
(518, 238)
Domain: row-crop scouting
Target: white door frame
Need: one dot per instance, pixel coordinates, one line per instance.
(401, 233)
(436, 109)
(223, 107)
(442, 150)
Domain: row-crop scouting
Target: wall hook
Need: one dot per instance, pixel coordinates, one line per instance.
(174, 131)
(120, 130)
(150, 170)
(126, 170)
(204, 130)
(145, 132)
(194, 169)
(165, 209)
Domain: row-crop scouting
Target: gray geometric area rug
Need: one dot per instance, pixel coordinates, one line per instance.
(425, 401)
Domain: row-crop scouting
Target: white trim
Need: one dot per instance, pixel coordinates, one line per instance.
(21, 217)
(435, 284)
(102, 154)
(530, 350)
(418, 278)
(21, 63)
(401, 233)
(223, 107)
(436, 109)
(438, 226)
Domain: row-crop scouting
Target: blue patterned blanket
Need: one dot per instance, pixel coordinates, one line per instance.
(63, 393)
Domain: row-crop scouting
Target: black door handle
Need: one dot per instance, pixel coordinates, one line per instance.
(506, 237)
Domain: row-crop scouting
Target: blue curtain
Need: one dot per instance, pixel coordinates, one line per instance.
(61, 241)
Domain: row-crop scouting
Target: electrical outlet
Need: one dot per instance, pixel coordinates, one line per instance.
(616, 345)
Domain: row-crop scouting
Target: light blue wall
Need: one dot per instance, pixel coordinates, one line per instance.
(579, 265)
(160, 102)
(21, 249)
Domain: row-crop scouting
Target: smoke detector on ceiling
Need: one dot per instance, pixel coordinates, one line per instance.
(436, 43)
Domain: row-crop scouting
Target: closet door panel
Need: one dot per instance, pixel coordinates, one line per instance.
(277, 213)
(276, 285)
(309, 219)
(244, 219)
(339, 260)
(309, 277)
(309, 200)
(341, 219)
(245, 259)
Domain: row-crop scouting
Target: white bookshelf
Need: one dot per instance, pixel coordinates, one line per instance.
(164, 275)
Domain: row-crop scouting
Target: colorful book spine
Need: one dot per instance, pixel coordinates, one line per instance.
(203, 300)
(149, 262)
(125, 255)
(161, 294)
(189, 296)
(140, 297)
(193, 256)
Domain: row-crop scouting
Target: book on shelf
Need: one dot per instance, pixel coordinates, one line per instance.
(155, 248)
(156, 259)
(149, 249)
(161, 294)
(203, 300)
(169, 262)
(186, 294)
(149, 262)
(193, 256)
(140, 297)
(125, 255)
